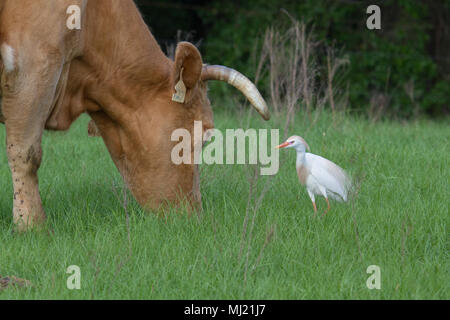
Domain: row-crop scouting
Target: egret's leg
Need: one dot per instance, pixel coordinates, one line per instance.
(328, 204)
(325, 195)
(311, 196)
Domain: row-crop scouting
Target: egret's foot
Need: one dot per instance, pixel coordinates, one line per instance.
(328, 207)
(315, 209)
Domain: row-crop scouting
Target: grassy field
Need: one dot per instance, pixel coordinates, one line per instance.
(397, 220)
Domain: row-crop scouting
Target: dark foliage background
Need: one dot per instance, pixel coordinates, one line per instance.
(407, 61)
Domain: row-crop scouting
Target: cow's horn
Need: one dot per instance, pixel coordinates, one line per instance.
(240, 82)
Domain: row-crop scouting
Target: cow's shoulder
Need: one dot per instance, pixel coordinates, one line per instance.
(40, 25)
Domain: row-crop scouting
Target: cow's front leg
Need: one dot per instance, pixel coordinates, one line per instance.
(27, 91)
(24, 161)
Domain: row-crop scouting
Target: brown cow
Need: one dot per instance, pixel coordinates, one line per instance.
(113, 69)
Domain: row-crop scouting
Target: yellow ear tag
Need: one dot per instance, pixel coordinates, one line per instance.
(180, 90)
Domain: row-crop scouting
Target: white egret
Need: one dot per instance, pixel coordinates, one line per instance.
(319, 175)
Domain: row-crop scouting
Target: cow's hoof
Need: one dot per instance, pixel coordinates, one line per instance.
(93, 129)
(35, 223)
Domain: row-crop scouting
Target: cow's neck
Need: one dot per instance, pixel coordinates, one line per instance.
(120, 66)
(121, 46)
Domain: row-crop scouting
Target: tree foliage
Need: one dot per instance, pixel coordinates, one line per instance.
(407, 61)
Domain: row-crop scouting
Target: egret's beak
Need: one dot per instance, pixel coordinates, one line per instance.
(283, 145)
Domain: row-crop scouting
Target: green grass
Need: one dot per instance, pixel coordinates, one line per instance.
(400, 213)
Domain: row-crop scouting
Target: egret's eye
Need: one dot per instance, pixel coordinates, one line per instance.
(291, 142)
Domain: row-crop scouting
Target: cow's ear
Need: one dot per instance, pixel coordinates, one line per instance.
(188, 64)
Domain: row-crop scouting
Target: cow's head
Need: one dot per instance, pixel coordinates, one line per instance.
(141, 145)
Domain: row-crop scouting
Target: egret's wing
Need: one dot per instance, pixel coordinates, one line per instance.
(329, 175)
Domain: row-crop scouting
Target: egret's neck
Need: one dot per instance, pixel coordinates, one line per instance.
(300, 157)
